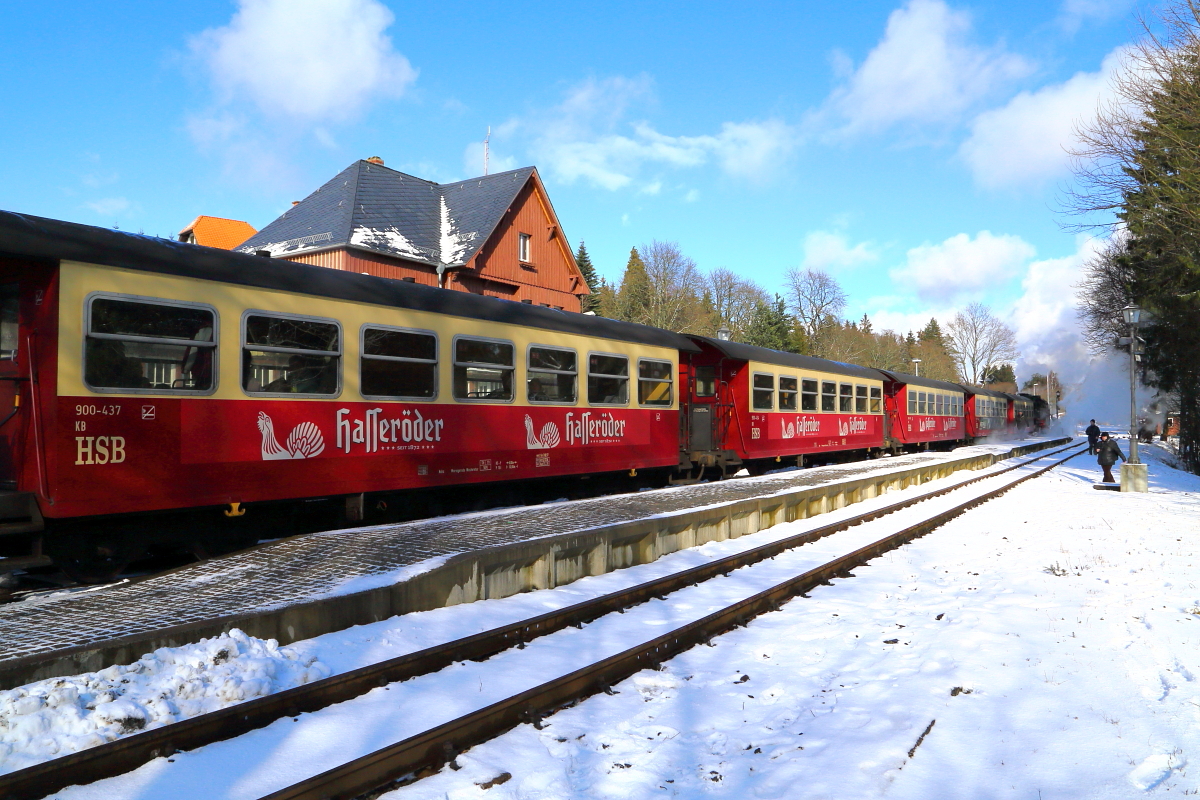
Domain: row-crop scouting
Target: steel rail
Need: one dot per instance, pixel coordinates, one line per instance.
(130, 752)
(407, 760)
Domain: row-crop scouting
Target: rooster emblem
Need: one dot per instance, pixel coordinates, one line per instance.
(789, 430)
(548, 438)
(305, 441)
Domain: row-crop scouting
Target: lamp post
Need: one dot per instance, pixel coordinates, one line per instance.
(1134, 477)
(724, 334)
(1132, 315)
(917, 366)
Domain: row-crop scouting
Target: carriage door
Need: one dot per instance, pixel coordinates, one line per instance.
(704, 393)
(13, 373)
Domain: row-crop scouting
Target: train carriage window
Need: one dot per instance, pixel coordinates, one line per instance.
(764, 391)
(608, 379)
(828, 396)
(941, 405)
(483, 369)
(846, 399)
(290, 355)
(921, 402)
(706, 381)
(860, 400)
(787, 393)
(654, 382)
(808, 395)
(146, 345)
(876, 399)
(551, 375)
(398, 363)
(912, 401)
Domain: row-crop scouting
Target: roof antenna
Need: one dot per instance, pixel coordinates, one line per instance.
(486, 139)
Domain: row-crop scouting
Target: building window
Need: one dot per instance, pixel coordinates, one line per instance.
(764, 391)
(876, 399)
(654, 382)
(290, 355)
(808, 395)
(787, 393)
(551, 376)
(608, 379)
(398, 364)
(860, 400)
(483, 369)
(151, 346)
(523, 247)
(846, 399)
(828, 396)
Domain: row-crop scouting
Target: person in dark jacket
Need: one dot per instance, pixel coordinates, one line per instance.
(1107, 453)
(1093, 434)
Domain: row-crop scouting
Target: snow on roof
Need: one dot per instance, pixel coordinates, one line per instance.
(371, 207)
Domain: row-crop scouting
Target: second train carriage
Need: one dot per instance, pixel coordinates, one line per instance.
(924, 412)
(751, 406)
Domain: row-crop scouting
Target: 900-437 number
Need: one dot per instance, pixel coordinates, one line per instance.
(91, 411)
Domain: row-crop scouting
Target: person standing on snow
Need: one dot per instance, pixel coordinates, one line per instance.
(1107, 453)
(1093, 434)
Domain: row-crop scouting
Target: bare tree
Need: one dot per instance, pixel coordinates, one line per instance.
(734, 300)
(1106, 289)
(675, 288)
(815, 298)
(1156, 78)
(979, 340)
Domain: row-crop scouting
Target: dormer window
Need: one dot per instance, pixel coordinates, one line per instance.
(523, 247)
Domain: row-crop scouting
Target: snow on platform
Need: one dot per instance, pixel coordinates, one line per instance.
(307, 568)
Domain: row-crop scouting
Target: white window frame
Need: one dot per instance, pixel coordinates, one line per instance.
(524, 248)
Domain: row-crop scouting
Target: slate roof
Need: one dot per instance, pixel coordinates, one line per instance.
(370, 207)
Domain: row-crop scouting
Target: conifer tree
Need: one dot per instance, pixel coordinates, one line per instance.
(588, 302)
(633, 298)
(770, 326)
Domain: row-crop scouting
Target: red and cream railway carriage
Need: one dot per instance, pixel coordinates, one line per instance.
(923, 412)
(987, 413)
(754, 406)
(157, 376)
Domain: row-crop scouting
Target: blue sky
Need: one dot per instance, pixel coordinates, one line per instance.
(913, 149)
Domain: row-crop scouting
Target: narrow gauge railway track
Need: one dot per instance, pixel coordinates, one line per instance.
(410, 758)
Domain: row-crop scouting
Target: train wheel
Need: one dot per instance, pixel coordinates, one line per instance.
(94, 560)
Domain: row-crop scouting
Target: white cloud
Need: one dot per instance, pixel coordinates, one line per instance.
(1076, 12)
(1023, 143)
(962, 265)
(692, 196)
(831, 251)
(110, 206)
(926, 69)
(306, 59)
(1045, 319)
(589, 137)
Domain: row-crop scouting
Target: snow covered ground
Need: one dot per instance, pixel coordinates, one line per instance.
(1062, 662)
(59, 716)
(1049, 637)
